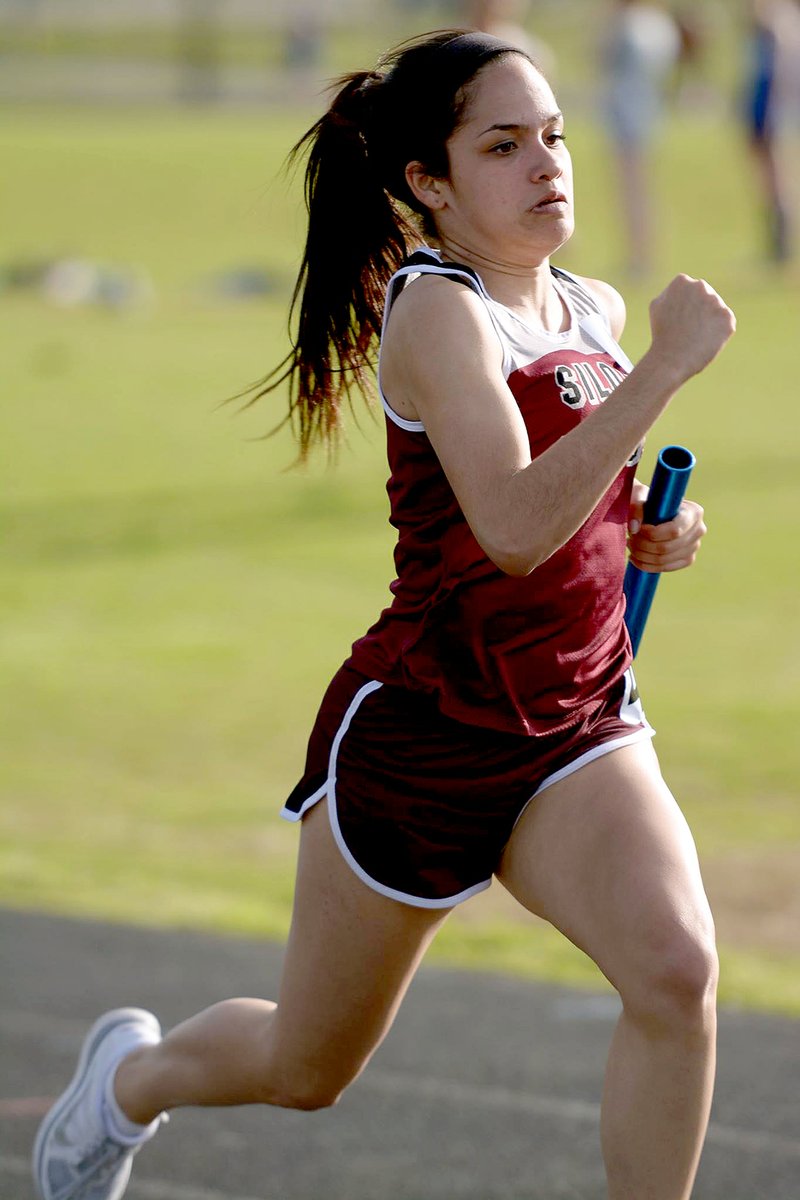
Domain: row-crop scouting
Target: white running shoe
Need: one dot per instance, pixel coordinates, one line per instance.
(78, 1153)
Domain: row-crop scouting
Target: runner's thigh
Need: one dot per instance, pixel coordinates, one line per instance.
(350, 957)
(606, 856)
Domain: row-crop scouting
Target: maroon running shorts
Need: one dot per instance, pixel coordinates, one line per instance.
(421, 805)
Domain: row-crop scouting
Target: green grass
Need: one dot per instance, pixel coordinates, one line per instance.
(174, 601)
(570, 28)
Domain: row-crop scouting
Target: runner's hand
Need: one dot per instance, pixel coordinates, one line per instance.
(690, 324)
(669, 546)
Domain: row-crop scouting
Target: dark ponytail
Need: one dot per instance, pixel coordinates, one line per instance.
(360, 215)
(357, 238)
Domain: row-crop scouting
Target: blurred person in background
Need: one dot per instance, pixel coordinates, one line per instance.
(772, 96)
(199, 35)
(690, 86)
(506, 19)
(640, 49)
(307, 33)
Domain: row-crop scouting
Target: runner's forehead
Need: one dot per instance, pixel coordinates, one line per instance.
(510, 92)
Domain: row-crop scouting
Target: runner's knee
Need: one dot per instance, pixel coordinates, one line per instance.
(674, 987)
(306, 1090)
(306, 1098)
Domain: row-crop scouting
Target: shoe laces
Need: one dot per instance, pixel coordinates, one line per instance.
(103, 1173)
(104, 1154)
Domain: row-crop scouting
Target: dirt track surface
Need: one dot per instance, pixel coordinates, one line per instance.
(486, 1089)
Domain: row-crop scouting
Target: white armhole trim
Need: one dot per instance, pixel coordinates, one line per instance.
(595, 329)
(432, 269)
(596, 326)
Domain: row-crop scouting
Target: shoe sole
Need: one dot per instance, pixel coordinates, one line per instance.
(100, 1030)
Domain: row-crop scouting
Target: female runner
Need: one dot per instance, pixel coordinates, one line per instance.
(488, 724)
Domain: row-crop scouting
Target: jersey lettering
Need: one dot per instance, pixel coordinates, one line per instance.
(569, 390)
(612, 375)
(580, 383)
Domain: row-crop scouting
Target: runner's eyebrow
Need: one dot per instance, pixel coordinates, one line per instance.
(519, 126)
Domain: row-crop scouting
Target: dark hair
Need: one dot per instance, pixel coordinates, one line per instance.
(361, 225)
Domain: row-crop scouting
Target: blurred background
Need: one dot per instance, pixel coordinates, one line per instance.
(175, 598)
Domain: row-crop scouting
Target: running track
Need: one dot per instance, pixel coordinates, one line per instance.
(486, 1089)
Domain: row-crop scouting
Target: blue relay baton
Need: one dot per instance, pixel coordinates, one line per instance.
(670, 477)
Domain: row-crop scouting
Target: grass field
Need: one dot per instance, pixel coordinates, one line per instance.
(569, 27)
(174, 600)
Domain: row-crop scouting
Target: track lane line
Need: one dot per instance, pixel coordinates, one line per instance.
(752, 1141)
(477, 1095)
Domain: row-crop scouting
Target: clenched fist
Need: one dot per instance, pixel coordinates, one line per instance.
(690, 324)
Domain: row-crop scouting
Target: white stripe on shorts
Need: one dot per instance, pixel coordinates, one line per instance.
(329, 789)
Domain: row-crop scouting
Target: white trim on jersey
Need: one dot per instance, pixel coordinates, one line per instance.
(398, 281)
(595, 329)
(588, 323)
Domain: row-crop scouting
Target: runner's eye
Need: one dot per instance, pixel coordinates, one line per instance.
(504, 148)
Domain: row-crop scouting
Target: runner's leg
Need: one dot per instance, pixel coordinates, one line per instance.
(350, 958)
(607, 857)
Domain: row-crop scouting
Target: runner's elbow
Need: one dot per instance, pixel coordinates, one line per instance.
(513, 558)
(516, 566)
(508, 535)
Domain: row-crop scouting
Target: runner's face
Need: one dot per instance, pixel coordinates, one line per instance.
(509, 195)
